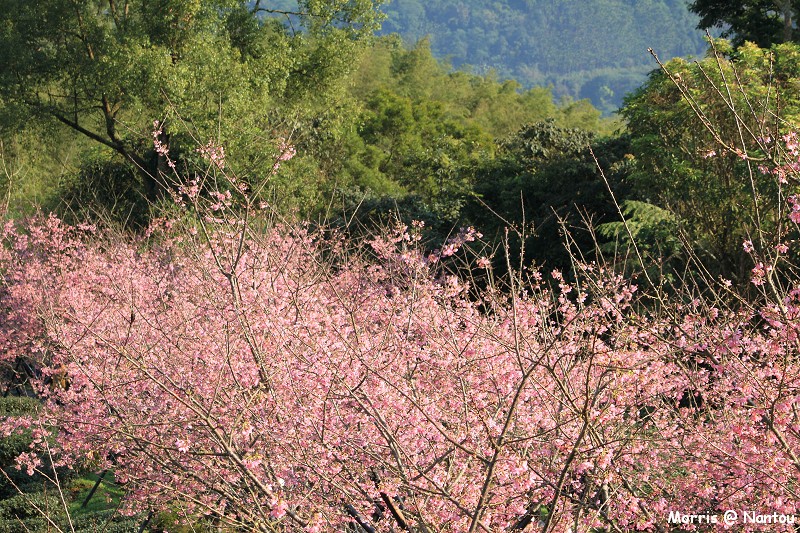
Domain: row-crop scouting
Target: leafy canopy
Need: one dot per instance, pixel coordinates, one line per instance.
(563, 43)
(106, 69)
(702, 136)
(764, 22)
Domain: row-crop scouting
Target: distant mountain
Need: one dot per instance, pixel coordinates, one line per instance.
(594, 49)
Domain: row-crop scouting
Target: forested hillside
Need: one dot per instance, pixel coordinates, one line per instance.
(593, 49)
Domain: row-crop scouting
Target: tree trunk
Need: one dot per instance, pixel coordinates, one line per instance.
(787, 12)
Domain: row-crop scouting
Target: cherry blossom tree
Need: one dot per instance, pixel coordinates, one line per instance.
(271, 376)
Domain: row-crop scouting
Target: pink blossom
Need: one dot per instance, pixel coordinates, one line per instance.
(279, 509)
(449, 250)
(213, 153)
(759, 273)
(273, 373)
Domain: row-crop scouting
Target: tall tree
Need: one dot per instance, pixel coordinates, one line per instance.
(764, 22)
(108, 68)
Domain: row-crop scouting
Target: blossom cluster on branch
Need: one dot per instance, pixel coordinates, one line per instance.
(279, 380)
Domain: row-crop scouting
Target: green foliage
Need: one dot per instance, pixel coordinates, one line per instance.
(414, 145)
(175, 524)
(406, 126)
(497, 107)
(33, 162)
(423, 129)
(21, 494)
(19, 514)
(764, 22)
(13, 445)
(106, 190)
(691, 158)
(654, 233)
(220, 69)
(545, 178)
(23, 506)
(17, 405)
(563, 43)
(645, 225)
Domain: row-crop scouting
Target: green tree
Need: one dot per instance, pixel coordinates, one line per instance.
(560, 43)
(764, 22)
(106, 69)
(424, 130)
(545, 175)
(411, 146)
(699, 136)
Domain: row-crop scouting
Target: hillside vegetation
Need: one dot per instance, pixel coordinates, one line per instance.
(594, 49)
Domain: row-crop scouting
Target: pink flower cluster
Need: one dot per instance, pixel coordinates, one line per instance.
(160, 146)
(455, 243)
(213, 153)
(794, 214)
(286, 152)
(276, 378)
(759, 273)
